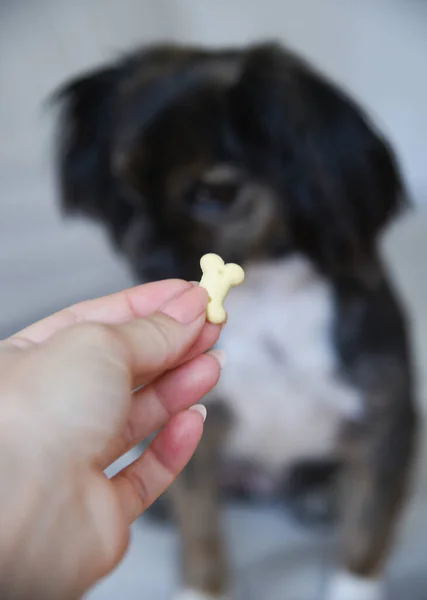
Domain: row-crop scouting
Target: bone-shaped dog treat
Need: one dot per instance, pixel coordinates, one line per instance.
(217, 279)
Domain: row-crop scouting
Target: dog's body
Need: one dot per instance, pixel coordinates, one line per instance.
(252, 155)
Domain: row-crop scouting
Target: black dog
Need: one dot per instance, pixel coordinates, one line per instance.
(250, 154)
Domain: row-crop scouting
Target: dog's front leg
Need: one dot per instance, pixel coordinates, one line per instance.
(375, 489)
(196, 503)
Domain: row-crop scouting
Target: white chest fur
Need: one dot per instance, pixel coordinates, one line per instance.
(280, 380)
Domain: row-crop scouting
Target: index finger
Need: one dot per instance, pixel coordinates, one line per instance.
(132, 303)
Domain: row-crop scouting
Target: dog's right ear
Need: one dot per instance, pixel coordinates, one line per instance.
(84, 132)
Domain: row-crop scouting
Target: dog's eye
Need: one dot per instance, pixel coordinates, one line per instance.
(212, 198)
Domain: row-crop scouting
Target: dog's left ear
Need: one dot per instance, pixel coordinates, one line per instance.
(338, 176)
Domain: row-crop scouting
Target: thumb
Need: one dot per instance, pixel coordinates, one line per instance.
(147, 346)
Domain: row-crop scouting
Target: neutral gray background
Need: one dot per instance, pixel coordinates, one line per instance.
(376, 48)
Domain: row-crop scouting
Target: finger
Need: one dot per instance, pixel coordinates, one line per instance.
(206, 340)
(158, 402)
(142, 482)
(137, 302)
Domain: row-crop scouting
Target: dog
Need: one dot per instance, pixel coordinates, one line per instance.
(252, 154)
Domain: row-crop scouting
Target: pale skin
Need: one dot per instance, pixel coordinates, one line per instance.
(68, 410)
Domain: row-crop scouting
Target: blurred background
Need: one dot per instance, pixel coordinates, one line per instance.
(376, 48)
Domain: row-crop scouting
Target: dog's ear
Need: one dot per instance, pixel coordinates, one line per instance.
(105, 116)
(339, 177)
(83, 144)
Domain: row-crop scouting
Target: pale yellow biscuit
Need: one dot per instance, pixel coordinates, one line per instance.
(217, 279)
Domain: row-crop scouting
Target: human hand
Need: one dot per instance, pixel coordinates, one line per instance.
(67, 411)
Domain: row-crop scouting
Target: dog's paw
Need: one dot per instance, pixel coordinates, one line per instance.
(189, 594)
(344, 586)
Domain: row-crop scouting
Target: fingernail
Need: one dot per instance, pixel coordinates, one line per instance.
(219, 355)
(201, 409)
(188, 306)
(195, 283)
